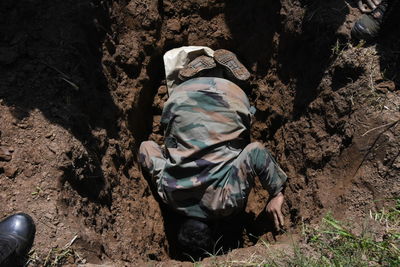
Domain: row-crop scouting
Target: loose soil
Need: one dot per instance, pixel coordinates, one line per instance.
(82, 84)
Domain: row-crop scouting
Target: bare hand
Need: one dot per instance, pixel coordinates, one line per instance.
(367, 6)
(274, 209)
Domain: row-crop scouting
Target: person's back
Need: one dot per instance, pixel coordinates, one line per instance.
(207, 123)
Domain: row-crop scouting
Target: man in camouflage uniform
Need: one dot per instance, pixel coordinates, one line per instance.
(207, 166)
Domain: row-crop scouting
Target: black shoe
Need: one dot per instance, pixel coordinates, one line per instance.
(368, 26)
(16, 238)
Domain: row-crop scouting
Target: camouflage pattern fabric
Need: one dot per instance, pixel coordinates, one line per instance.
(207, 167)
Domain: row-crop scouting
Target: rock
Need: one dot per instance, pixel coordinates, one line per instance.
(388, 85)
(29, 172)
(5, 153)
(10, 171)
(174, 25)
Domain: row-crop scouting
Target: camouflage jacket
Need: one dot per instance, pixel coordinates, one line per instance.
(207, 127)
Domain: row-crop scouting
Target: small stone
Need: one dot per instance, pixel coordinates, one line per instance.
(53, 148)
(217, 34)
(28, 172)
(5, 153)
(388, 85)
(174, 25)
(396, 165)
(10, 171)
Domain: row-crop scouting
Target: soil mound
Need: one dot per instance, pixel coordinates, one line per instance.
(82, 84)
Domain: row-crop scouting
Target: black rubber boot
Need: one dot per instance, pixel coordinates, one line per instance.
(369, 25)
(16, 238)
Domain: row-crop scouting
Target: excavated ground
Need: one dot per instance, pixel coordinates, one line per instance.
(82, 84)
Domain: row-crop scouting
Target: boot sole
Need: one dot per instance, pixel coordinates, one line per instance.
(232, 64)
(196, 67)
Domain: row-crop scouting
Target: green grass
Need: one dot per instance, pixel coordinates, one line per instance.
(335, 243)
(56, 256)
(338, 246)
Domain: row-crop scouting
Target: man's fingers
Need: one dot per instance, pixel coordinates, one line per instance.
(280, 217)
(377, 2)
(276, 220)
(371, 4)
(362, 7)
(367, 6)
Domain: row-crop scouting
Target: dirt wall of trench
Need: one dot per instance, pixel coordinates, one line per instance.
(82, 84)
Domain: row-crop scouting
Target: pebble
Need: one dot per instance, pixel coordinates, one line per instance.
(10, 171)
(5, 153)
(174, 25)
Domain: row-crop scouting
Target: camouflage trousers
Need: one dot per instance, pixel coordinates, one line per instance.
(253, 161)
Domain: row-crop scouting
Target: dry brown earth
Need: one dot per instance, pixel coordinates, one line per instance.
(81, 85)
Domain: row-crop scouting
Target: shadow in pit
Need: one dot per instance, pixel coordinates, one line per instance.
(252, 25)
(141, 123)
(228, 233)
(305, 55)
(304, 50)
(50, 60)
(388, 44)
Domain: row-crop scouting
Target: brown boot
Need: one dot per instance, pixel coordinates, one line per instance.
(231, 64)
(196, 67)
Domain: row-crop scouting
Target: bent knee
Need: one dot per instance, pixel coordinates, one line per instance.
(147, 150)
(255, 145)
(146, 146)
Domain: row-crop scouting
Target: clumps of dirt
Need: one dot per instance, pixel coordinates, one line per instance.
(82, 84)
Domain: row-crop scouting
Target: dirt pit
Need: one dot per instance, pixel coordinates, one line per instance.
(82, 84)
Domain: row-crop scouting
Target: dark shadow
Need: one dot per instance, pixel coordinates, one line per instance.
(345, 75)
(252, 24)
(140, 118)
(306, 55)
(172, 222)
(228, 233)
(51, 61)
(256, 226)
(388, 47)
(304, 52)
